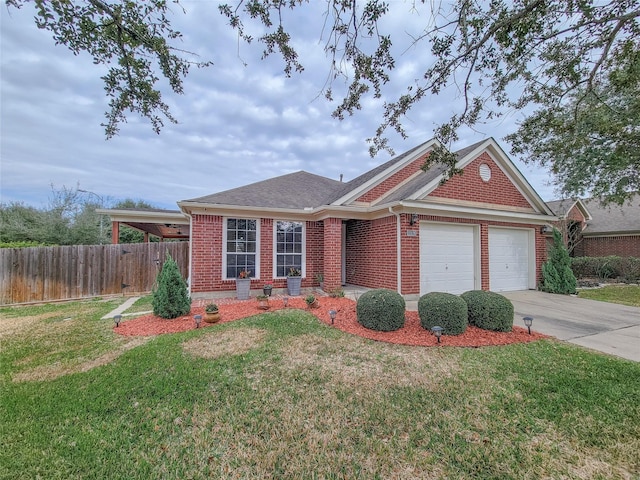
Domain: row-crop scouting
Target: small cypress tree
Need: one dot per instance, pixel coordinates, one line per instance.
(170, 295)
(557, 276)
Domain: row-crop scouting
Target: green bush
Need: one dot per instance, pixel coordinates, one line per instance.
(382, 310)
(630, 269)
(170, 295)
(627, 269)
(24, 244)
(489, 310)
(445, 310)
(557, 276)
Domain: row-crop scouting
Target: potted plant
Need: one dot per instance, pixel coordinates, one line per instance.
(294, 281)
(266, 289)
(263, 302)
(311, 301)
(243, 285)
(211, 313)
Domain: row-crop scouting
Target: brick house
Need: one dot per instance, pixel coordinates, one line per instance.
(394, 226)
(593, 230)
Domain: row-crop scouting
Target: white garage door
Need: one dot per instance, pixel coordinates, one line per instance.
(510, 255)
(447, 258)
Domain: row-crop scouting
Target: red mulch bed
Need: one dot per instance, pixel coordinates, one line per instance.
(411, 334)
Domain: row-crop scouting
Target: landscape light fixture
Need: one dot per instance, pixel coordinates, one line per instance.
(437, 331)
(117, 319)
(285, 300)
(332, 314)
(198, 320)
(527, 322)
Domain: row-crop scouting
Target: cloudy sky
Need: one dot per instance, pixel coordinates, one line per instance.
(240, 120)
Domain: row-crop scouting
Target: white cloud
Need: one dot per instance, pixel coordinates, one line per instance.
(237, 124)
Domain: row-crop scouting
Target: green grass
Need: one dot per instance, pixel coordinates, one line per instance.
(280, 395)
(622, 294)
(143, 304)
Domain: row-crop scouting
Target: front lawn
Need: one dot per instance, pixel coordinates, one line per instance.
(622, 294)
(281, 395)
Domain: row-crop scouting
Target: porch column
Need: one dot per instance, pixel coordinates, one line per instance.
(115, 232)
(332, 253)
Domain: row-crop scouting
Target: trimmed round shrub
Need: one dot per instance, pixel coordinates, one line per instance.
(382, 310)
(489, 310)
(445, 310)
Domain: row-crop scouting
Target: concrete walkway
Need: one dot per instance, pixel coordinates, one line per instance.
(602, 326)
(122, 308)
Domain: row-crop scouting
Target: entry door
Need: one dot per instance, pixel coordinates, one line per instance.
(510, 254)
(448, 258)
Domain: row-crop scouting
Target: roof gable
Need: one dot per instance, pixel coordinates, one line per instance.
(506, 180)
(570, 208)
(498, 189)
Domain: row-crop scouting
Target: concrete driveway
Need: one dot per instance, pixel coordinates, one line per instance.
(606, 327)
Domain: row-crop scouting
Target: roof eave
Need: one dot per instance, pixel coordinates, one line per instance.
(142, 216)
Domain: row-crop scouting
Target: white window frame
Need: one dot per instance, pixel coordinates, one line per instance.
(255, 274)
(303, 255)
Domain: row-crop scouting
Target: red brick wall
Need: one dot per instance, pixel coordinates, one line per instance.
(392, 181)
(332, 242)
(314, 253)
(207, 251)
(371, 253)
(624, 246)
(469, 186)
(575, 214)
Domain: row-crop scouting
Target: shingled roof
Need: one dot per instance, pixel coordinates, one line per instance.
(294, 190)
(303, 189)
(605, 220)
(614, 218)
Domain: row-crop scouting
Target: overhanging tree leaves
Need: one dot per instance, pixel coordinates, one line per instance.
(133, 39)
(591, 144)
(499, 55)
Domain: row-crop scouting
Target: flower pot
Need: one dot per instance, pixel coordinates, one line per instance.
(263, 304)
(267, 290)
(293, 285)
(243, 287)
(211, 317)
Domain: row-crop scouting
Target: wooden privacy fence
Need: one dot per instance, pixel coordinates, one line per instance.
(40, 274)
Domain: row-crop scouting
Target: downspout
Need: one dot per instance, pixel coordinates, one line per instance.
(398, 250)
(190, 252)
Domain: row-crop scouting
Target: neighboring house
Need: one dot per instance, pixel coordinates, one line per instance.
(393, 227)
(593, 230)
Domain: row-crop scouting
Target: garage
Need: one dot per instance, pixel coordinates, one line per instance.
(449, 258)
(511, 259)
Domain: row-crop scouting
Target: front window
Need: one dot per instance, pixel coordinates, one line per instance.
(241, 246)
(289, 245)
